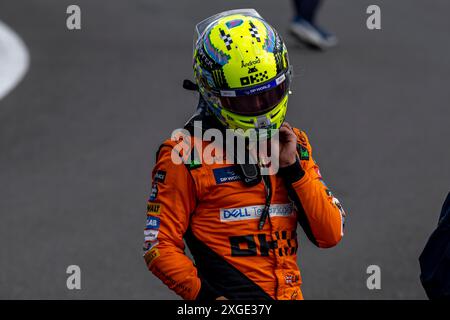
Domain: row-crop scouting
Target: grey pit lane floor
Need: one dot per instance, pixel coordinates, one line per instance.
(79, 134)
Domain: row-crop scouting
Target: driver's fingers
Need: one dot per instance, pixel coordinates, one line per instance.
(287, 125)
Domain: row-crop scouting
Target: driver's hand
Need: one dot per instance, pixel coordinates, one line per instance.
(288, 145)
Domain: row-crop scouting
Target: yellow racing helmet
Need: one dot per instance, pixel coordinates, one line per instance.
(242, 69)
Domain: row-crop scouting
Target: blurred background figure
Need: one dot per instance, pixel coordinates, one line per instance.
(435, 258)
(304, 26)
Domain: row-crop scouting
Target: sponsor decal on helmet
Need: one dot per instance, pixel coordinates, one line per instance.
(279, 61)
(254, 32)
(255, 78)
(253, 90)
(250, 63)
(227, 93)
(226, 39)
(209, 78)
(217, 55)
(280, 79)
(219, 78)
(254, 212)
(234, 23)
(205, 60)
(269, 42)
(261, 88)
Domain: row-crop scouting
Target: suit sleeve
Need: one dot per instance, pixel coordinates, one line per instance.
(319, 213)
(170, 204)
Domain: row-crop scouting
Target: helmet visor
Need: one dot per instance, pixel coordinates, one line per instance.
(255, 104)
(256, 100)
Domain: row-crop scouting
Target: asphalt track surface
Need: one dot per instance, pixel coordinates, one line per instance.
(79, 134)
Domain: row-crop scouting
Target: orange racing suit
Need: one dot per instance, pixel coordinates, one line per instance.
(217, 215)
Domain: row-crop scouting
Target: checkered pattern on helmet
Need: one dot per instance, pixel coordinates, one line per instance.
(254, 32)
(226, 38)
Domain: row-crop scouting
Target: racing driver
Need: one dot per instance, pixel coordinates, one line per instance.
(239, 225)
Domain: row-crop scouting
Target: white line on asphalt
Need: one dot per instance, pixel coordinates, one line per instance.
(14, 59)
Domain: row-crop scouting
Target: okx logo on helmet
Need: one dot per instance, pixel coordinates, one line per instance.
(242, 69)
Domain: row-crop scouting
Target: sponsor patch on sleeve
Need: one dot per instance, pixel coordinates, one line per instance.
(318, 172)
(160, 176)
(151, 255)
(152, 223)
(153, 208)
(149, 245)
(150, 235)
(303, 152)
(336, 202)
(154, 192)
